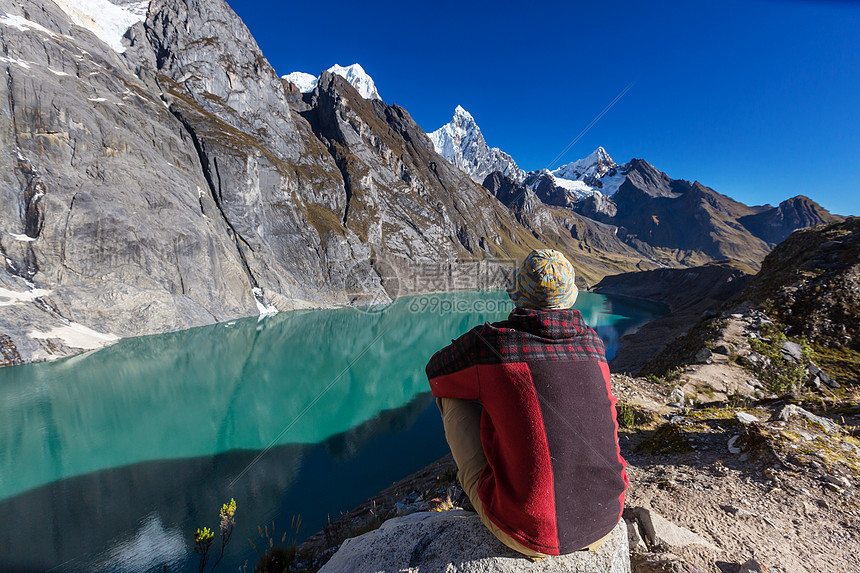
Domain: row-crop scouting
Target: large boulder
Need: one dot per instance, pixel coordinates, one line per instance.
(457, 542)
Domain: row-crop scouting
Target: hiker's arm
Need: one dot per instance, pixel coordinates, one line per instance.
(452, 371)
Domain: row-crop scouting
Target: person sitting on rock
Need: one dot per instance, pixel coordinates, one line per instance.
(530, 418)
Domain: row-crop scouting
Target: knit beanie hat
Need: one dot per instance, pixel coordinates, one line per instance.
(544, 281)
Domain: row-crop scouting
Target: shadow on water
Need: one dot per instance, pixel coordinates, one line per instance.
(110, 460)
(149, 510)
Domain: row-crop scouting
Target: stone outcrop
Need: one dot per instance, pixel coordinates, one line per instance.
(457, 542)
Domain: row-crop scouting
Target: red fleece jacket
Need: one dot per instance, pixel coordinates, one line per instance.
(554, 478)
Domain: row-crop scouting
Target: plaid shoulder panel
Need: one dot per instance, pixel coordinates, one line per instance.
(501, 343)
(504, 345)
(460, 354)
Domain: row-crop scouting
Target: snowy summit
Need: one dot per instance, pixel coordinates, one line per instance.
(109, 21)
(354, 74)
(597, 173)
(461, 142)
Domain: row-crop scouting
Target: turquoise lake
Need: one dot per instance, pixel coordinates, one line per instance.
(110, 460)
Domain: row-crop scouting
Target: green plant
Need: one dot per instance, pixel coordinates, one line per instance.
(626, 415)
(778, 374)
(202, 542)
(674, 374)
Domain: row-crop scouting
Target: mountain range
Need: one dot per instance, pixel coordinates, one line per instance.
(158, 174)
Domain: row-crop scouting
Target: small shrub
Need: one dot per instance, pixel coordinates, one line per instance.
(674, 374)
(779, 375)
(626, 415)
(275, 558)
(668, 439)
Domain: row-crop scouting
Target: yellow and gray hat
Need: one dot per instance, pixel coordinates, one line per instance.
(544, 281)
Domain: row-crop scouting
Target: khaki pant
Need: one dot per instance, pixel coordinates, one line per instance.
(462, 421)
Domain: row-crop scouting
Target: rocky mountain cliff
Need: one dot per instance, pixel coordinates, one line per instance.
(673, 222)
(164, 176)
(811, 283)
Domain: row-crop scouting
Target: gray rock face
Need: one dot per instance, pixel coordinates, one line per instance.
(173, 185)
(182, 182)
(457, 542)
(103, 224)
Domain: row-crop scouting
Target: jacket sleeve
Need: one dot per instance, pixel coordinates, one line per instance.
(453, 372)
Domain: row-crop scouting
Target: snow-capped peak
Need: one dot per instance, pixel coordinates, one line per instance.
(109, 21)
(597, 164)
(597, 173)
(359, 79)
(354, 74)
(461, 142)
(460, 112)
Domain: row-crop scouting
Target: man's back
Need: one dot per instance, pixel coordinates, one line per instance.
(554, 480)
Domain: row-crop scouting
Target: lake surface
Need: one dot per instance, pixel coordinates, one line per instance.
(110, 460)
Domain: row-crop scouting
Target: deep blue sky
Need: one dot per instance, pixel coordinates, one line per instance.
(758, 99)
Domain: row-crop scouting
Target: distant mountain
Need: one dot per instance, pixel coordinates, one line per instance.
(461, 142)
(775, 224)
(354, 74)
(668, 222)
(578, 180)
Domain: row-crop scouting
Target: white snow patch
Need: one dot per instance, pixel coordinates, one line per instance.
(97, 99)
(612, 183)
(17, 61)
(359, 79)
(354, 74)
(265, 309)
(24, 25)
(57, 73)
(577, 187)
(22, 238)
(13, 298)
(107, 21)
(77, 336)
